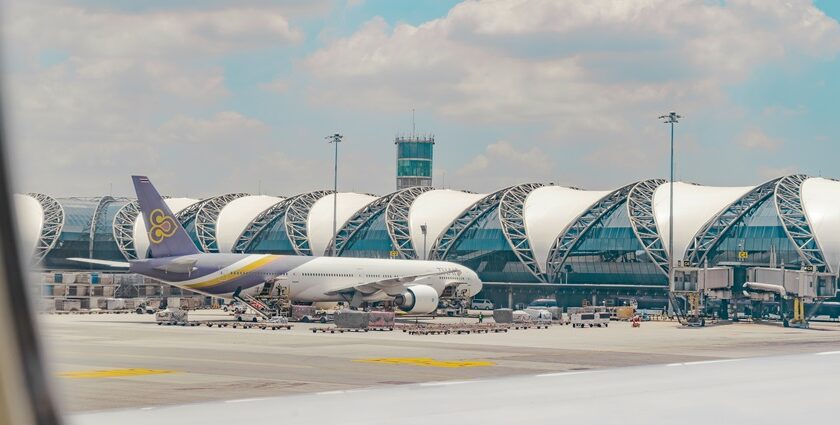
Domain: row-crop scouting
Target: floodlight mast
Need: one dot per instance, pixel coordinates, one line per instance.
(672, 118)
(335, 139)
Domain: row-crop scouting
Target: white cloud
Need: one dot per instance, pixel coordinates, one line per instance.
(123, 89)
(756, 139)
(116, 34)
(502, 164)
(277, 86)
(772, 172)
(587, 75)
(531, 60)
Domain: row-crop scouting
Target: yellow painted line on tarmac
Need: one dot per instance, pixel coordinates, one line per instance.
(428, 362)
(193, 360)
(113, 373)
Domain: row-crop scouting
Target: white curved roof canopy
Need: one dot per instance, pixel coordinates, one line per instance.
(319, 224)
(436, 209)
(141, 239)
(550, 209)
(30, 222)
(693, 207)
(821, 202)
(236, 215)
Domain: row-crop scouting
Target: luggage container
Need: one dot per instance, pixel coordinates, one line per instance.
(67, 305)
(114, 304)
(172, 316)
(521, 316)
(503, 315)
(304, 313)
(381, 319)
(351, 319)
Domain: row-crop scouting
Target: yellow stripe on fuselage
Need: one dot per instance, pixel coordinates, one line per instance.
(233, 274)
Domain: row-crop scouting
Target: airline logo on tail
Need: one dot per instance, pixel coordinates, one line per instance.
(161, 226)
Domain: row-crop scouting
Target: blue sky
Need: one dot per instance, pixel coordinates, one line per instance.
(209, 96)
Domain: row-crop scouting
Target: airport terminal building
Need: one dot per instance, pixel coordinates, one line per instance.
(530, 239)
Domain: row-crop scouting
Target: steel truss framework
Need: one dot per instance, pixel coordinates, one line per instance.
(576, 230)
(297, 217)
(124, 229)
(206, 218)
(511, 208)
(188, 214)
(713, 232)
(103, 201)
(260, 223)
(795, 222)
(357, 221)
(453, 232)
(643, 222)
(396, 220)
(52, 227)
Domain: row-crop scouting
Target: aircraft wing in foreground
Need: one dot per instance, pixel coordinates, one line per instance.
(767, 390)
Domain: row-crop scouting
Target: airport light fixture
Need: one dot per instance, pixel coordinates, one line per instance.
(672, 118)
(335, 139)
(424, 229)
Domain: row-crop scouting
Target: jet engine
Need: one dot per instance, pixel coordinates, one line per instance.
(417, 299)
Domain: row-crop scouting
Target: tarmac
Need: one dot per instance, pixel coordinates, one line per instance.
(112, 361)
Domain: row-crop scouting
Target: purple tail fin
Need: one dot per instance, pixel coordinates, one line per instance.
(167, 238)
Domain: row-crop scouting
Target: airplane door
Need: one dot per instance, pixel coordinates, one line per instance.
(360, 275)
(283, 283)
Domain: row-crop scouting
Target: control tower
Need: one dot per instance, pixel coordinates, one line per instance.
(414, 160)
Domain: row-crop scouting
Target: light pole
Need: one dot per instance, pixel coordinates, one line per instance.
(672, 118)
(423, 229)
(335, 139)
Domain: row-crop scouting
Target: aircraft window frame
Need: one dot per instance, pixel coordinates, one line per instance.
(21, 330)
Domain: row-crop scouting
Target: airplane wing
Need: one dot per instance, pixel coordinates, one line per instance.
(178, 265)
(115, 264)
(656, 394)
(388, 284)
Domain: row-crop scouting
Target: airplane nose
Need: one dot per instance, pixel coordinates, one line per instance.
(475, 284)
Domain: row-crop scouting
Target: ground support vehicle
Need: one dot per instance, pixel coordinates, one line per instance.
(172, 316)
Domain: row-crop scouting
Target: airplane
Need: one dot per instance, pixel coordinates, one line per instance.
(415, 286)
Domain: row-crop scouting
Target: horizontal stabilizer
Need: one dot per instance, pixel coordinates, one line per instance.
(178, 265)
(115, 264)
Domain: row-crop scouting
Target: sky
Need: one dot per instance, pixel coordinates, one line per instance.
(209, 96)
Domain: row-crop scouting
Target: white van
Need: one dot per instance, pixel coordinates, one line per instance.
(481, 305)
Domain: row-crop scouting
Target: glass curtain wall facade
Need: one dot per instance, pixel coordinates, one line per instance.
(484, 248)
(103, 238)
(610, 253)
(189, 226)
(757, 233)
(371, 240)
(273, 240)
(74, 240)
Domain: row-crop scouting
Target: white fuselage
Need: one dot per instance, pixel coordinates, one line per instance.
(312, 279)
(311, 282)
